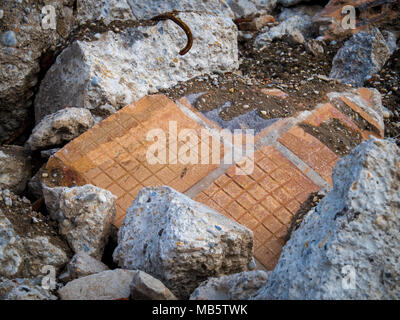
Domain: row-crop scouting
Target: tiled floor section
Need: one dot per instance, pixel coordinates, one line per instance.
(312, 151)
(112, 155)
(264, 201)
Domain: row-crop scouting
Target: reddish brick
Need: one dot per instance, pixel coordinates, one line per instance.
(271, 223)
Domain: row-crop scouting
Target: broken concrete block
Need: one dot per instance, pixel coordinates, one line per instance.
(60, 127)
(22, 255)
(301, 23)
(85, 215)
(146, 287)
(362, 56)
(15, 168)
(82, 265)
(106, 285)
(24, 289)
(239, 286)
(249, 8)
(348, 246)
(180, 241)
(121, 68)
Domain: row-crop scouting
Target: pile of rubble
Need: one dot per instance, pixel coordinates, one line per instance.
(77, 104)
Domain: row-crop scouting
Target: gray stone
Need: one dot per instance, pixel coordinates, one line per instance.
(106, 285)
(24, 289)
(15, 168)
(22, 45)
(179, 241)
(301, 23)
(82, 265)
(315, 47)
(22, 256)
(239, 286)
(348, 246)
(248, 8)
(60, 127)
(146, 287)
(112, 10)
(362, 56)
(8, 39)
(289, 3)
(84, 214)
(136, 62)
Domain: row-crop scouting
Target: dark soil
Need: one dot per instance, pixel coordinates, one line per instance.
(337, 137)
(310, 203)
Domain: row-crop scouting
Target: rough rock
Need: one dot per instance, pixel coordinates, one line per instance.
(362, 56)
(248, 8)
(120, 68)
(60, 127)
(24, 289)
(85, 215)
(24, 256)
(82, 265)
(289, 3)
(179, 241)
(146, 287)
(348, 246)
(15, 168)
(309, 10)
(23, 43)
(112, 10)
(301, 23)
(106, 285)
(240, 286)
(315, 47)
(296, 37)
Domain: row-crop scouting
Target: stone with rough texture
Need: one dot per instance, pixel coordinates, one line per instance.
(24, 289)
(60, 127)
(85, 215)
(247, 8)
(289, 3)
(120, 68)
(240, 286)
(22, 256)
(106, 285)
(362, 56)
(301, 23)
(180, 241)
(348, 246)
(146, 287)
(15, 168)
(82, 265)
(24, 43)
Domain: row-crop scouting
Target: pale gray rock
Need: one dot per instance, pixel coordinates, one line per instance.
(106, 285)
(348, 246)
(15, 168)
(60, 127)
(249, 8)
(239, 286)
(82, 265)
(309, 10)
(22, 256)
(121, 68)
(84, 214)
(301, 23)
(146, 287)
(24, 289)
(315, 47)
(112, 10)
(362, 56)
(179, 241)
